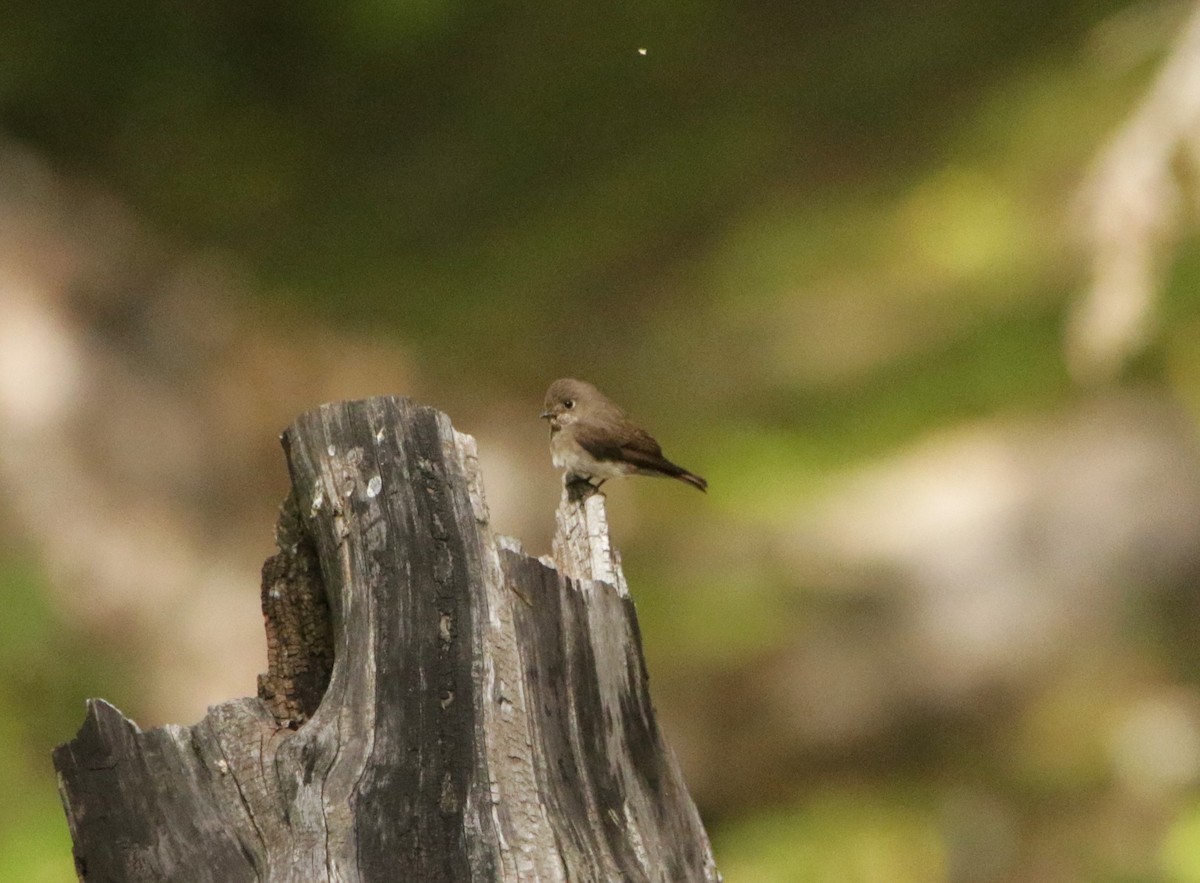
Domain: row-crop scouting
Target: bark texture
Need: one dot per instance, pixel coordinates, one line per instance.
(438, 706)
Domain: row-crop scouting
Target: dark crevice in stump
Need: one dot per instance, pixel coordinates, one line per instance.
(296, 619)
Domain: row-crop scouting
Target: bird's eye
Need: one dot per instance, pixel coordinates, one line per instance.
(569, 404)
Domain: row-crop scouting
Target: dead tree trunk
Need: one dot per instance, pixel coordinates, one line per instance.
(438, 706)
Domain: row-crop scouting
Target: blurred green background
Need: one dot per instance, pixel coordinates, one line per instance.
(936, 619)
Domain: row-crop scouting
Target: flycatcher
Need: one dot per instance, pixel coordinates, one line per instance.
(593, 440)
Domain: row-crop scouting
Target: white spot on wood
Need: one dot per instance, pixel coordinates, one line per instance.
(374, 486)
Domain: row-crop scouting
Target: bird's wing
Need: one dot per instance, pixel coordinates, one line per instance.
(627, 443)
(610, 442)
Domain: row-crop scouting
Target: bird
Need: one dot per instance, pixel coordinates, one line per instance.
(593, 440)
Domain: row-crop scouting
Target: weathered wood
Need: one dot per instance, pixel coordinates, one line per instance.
(438, 705)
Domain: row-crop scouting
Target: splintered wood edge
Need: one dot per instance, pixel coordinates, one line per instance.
(466, 451)
(582, 548)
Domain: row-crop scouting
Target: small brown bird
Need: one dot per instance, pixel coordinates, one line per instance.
(593, 440)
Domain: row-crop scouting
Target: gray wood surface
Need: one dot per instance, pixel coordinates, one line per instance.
(438, 706)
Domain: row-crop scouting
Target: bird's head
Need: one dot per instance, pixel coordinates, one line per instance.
(565, 400)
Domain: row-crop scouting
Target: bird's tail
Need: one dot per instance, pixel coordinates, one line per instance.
(661, 466)
(693, 479)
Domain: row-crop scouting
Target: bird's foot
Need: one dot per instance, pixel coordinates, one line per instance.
(580, 487)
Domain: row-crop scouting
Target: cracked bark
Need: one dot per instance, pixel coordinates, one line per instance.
(438, 706)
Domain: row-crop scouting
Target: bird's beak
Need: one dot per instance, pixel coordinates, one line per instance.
(546, 415)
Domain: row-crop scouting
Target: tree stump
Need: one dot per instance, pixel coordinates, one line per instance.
(438, 706)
